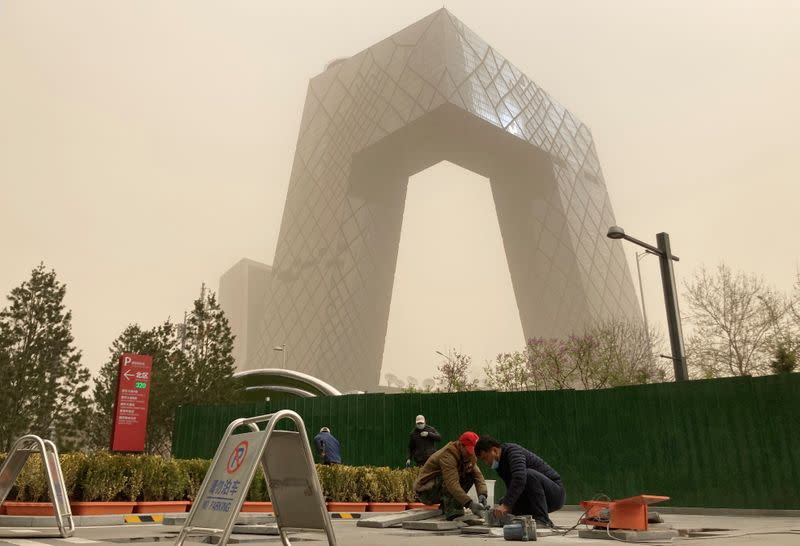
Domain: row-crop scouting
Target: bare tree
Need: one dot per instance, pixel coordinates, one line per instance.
(611, 353)
(551, 363)
(509, 372)
(393, 381)
(624, 353)
(453, 373)
(738, 320)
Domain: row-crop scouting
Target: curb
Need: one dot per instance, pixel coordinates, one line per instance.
(83, 521)
(345, 515)
(145, 518)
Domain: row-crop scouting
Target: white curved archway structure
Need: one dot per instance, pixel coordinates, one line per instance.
(288, 381)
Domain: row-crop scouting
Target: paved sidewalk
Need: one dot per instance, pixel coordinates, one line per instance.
(771, 531)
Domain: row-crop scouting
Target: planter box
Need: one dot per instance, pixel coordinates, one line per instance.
(101, 508)
(161, 507)
(347, 507)
(257, 506)
(13, 508)
(386, 507)
(412, 505)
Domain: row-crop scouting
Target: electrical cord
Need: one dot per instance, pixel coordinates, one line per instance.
(598, 496)
(580, 519)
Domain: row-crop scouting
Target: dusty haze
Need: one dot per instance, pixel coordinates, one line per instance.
(146, 146)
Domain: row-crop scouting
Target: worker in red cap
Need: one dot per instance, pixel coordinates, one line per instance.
(447, 476)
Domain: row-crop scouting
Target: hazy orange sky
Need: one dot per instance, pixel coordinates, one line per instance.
(146, 146)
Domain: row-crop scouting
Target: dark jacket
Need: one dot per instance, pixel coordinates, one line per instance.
(421, 447)
(328, 447)
(515, 461)
(454, 465)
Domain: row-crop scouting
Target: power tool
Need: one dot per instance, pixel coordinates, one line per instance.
(521, 528)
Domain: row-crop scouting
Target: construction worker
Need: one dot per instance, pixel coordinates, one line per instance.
(532, 486)
(328, 447)
(448, 474)
(421, 442)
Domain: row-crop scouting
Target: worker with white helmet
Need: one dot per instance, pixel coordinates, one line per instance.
(422, 442)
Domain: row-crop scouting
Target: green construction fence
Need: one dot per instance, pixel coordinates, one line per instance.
(729, 443)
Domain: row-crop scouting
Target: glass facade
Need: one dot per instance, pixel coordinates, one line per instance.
(434, 91)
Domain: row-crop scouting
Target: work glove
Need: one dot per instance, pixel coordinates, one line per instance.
(482, 501)
(476, 508)
(408, 463)
(424, 433)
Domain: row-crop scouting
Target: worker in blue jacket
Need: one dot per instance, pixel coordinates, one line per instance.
(328, 447)
(532, 486)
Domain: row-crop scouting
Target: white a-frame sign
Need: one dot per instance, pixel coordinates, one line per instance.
(18, 455)
(292, 480)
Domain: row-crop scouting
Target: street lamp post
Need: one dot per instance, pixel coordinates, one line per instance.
(282, 349)
(639, 256)
(665, 258)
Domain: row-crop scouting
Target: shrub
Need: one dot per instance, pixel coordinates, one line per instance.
(73, 467)
(258, 487)
(195, 470)
(106, 478)
(366, 483)
(384, 485)
(31, 484)
(407, 476)
(162, 479)
(340, 483)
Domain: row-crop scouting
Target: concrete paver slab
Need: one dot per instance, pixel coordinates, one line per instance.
(390, 520)
(628, 536)
(433, 525)
(256, 530)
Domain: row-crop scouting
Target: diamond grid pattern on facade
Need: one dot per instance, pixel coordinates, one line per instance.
(338, 241)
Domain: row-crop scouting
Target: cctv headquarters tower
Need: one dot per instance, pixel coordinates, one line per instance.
(432, 92)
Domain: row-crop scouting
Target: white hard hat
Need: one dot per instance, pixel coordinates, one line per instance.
(420, 419)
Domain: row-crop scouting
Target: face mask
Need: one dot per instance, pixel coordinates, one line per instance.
(495, 464)
(420, 426)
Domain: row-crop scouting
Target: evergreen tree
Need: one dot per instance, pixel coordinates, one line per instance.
(43, 384)
(206, 366)
(785, 360)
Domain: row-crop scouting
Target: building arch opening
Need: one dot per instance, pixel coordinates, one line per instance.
(452, 285)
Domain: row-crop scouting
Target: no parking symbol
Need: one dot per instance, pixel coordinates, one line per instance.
(237, 457)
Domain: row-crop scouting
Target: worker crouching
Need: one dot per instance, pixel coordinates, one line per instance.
(532, 486)
(447, 476)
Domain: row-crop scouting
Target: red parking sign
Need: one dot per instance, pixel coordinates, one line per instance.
(130, 410)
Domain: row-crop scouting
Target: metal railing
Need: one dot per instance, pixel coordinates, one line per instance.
(22, 449)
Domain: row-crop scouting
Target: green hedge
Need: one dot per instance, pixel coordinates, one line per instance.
(104, 476)
(367, 483)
